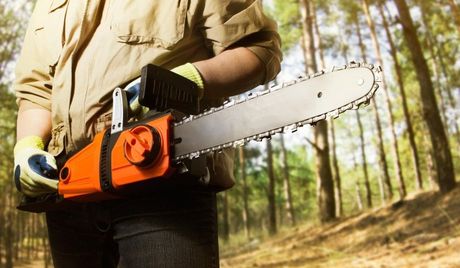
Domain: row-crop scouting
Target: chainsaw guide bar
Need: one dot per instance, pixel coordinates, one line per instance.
(282, 108)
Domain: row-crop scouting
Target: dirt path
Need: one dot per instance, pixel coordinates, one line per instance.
(422, 231)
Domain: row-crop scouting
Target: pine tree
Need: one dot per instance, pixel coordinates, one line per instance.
(441, 149)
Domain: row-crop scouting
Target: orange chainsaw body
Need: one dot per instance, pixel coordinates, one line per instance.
(140, 152)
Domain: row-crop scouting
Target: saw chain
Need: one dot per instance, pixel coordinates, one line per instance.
(291, 127)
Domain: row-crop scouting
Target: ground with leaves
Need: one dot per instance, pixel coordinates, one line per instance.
(421, 231)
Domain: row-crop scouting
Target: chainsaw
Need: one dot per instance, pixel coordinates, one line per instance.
(159, 144)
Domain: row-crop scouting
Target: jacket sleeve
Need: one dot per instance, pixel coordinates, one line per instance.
(33, 82)
(242, 23)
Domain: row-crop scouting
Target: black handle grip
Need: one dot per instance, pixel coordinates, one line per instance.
(162, 89)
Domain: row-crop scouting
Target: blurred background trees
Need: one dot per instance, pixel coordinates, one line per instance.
(408, 140)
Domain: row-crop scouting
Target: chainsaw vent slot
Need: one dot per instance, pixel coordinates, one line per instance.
(162, 90)
(105, 165)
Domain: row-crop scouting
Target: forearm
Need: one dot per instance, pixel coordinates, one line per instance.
(230, 73)
(33, 120)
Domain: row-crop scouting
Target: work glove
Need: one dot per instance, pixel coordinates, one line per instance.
(132, 90)
(132, 94)
(35, 171)
(190, 72)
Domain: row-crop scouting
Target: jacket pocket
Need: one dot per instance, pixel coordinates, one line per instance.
(50, 29)
(157, 22)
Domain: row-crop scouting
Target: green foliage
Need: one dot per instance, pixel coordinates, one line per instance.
(7, 130)
(289, 24)
(12, 27)
(337, 22)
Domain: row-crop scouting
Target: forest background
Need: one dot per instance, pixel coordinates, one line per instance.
(406, 141)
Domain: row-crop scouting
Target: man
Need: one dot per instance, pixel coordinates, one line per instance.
(75, 53)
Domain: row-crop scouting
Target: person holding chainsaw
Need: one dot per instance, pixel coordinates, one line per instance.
(75, 54)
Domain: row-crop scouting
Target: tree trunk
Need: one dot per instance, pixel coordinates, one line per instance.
(245, 192)
(438, 64)
(384, 177)
(431, 169)
(394, 141)
(337, 179)
(359, 198)
(402, 92)
(323, 167)
(318, 34)
(343, 49)
(440, 71)
(364, 159)
(441, 149)
(289, 205)
(335, 164)
(272, 227)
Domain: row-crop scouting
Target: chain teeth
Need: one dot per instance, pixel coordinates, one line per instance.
(362, 102)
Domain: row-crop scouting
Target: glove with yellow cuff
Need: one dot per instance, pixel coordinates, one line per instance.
(190, 72)
(187, 70)
(35, 171)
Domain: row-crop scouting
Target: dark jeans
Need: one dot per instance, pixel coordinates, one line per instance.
(169, 227)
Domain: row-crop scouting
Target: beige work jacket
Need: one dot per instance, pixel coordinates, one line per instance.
(76, 52)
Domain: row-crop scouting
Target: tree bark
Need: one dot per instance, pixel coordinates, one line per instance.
(441, 149)
(402, 92)
(272, 226)
(323, 167)
(394, 141)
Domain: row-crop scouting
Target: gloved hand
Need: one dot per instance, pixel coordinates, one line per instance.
(187, 70)
(190, 72)
(132, 94)
(35, 171)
